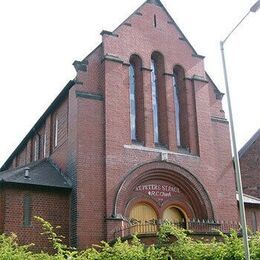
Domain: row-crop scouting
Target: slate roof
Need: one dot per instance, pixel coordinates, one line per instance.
(42, 173)
(249, 143)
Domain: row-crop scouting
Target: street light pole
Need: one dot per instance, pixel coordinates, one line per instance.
(254, 8)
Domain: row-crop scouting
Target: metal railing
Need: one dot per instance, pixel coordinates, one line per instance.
(209, 227)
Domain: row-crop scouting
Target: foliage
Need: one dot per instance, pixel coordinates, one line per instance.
(9, 248)
(62, 250)
(183, 247)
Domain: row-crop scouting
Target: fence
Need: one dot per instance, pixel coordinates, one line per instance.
(196, 226)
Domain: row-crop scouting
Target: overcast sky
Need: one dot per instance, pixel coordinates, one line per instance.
(41, 39)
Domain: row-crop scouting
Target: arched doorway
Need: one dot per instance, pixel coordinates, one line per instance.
(164, 182)
(143, 218)
(175, 216)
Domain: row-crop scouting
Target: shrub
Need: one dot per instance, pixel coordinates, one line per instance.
(184, 248)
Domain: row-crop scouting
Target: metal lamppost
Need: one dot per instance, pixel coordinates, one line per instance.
(253, 9)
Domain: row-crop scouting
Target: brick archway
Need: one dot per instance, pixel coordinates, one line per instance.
(193, 197)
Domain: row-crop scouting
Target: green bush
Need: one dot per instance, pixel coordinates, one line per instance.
(184, 248)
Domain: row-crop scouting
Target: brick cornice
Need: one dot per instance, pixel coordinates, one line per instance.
(219, 120)
(197, 78)
(146, 69)
(88, 95)
(109, 57)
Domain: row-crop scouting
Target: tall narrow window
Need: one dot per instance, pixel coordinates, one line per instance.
(159, 100)
(136, 99)
(154, 21)
(56, 131)
(132, 102)
(180, 105)
(44, 144)
(27, 210)
(254, 222)
(36, 148)
(176, 95)
(155, 101)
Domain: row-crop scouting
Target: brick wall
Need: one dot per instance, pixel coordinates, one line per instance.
(253, 217)
(86, 153)
(250, 167)
(53, 206)
(1, 211)
(208, 138)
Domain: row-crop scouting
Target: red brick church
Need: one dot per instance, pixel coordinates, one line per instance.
(138, 137)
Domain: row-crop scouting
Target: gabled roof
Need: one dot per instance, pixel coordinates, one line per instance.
(159, 3)
(249, 199)
(219, 94)
(41, 173)
(249, 143)
(66, 89)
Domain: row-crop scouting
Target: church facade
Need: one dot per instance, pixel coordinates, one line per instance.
(138, 137)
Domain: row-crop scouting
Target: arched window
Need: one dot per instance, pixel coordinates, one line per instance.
(136, 99)
(155, 102)
(159, 100)
(180, 105)
(176, 95)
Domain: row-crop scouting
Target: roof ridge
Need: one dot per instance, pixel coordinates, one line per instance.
(159, 3)
(156, 2)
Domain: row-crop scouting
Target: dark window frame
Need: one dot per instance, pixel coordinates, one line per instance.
(27, 210)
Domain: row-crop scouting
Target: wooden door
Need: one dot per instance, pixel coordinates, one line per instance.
(143, 218)
(174, 215)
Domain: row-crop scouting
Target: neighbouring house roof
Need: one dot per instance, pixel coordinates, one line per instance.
(41, 173)
(249, 143)
(249, 199)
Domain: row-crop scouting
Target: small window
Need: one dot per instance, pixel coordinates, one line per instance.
(254, 222)
(154, 21)
(27, 214)
(44, 144)
(36, 148)
(56, 131)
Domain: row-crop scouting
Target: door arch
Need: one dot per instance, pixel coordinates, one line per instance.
(174, 215)
(143, 218)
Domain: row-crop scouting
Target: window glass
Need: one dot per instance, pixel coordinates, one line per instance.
(36, 148)
(27, 210)
(56, 131)
(155, 101)
(44, 144)
(132, 101)
(176, 96)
